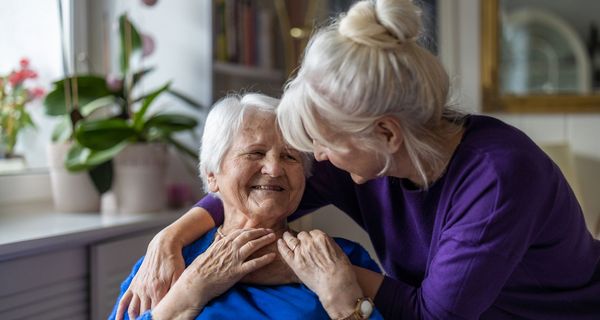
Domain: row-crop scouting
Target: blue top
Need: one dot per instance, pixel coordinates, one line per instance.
(243, 301)
(499, 235)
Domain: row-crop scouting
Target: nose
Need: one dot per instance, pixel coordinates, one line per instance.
(272, 166)
(319, 151)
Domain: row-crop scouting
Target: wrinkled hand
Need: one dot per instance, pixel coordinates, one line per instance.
(324, 268)
(216, 270)
(162, 266)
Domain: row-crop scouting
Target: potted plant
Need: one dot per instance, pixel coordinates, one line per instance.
(16, 93)
(123, 142)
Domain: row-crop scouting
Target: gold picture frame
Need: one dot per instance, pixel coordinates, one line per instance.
(494, 101)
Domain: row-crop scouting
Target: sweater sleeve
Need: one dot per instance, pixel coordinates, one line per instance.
(489, 225)
(214, 206)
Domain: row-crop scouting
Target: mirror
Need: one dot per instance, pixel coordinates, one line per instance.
(540, 56)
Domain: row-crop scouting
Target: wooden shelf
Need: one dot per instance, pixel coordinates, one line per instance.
(262, 74)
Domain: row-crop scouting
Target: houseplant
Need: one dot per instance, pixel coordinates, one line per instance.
(125, 121)
(16, 92)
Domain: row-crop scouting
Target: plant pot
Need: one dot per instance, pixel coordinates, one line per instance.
(140, 178)
(71, 192)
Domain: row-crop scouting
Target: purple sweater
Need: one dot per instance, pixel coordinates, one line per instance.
(499, 235)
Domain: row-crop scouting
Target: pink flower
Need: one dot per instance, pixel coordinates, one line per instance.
(149, 3)
(114, 82)
(147, 45)
(37, 92)
(24, 62)
(29, 74)
(16, 78)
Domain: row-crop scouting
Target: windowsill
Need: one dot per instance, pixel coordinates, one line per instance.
(35, 227)
(24, 187)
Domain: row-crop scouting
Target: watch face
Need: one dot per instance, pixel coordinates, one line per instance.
(366, 308)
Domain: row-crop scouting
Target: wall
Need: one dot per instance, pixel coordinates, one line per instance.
(461, 52)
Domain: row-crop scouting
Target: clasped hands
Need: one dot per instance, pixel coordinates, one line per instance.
(313, 258)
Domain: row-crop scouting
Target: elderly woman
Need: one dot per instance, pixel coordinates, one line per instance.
(260, 180)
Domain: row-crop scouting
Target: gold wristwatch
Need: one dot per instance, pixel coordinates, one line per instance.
(363, 309)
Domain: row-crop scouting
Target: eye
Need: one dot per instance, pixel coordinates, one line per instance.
(255, 154)
(290, 157)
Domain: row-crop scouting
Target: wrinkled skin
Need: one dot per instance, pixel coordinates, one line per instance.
(324, 268)
(216, 270)
(158, 273)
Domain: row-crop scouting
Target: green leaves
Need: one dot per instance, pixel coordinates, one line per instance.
(186, 99)
(139, 115)
(131, 42)
(81, 158)
(98, 141)
(104, 134)
(171, 122)
(62, 131)
(89, 88)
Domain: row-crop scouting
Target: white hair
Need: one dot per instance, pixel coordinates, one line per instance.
(222, 125)
(365, 65)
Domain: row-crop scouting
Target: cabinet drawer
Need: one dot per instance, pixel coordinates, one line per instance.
(45, 286)
(111, 262)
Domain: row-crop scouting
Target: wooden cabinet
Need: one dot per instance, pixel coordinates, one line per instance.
(80, 282)
(110, 263)
(51, 285)
(68, 265)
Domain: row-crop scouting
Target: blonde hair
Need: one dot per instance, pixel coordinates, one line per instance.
(365, 65)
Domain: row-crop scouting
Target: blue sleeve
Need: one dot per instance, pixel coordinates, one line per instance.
(357, 255)
(124, 287)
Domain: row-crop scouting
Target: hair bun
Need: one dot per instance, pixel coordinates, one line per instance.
(382, 23)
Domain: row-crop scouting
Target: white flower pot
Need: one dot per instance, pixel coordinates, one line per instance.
(140, 178)
(71, 192)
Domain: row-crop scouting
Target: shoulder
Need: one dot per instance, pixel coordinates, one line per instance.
(500, 182)
(500, 150)
(196, 248)
(357, 254)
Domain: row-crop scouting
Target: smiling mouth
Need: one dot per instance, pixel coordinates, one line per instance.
(268, 188)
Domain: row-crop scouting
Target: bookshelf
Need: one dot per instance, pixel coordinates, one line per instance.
(258, 43)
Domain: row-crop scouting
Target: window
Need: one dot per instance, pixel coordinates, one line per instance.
(32, 31)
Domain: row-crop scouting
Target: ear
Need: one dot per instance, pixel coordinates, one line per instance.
(389, 131)
(212, 182)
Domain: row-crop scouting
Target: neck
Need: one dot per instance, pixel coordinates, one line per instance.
(235, 219)
(404, 168)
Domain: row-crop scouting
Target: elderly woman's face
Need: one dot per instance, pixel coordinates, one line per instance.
(260, 175)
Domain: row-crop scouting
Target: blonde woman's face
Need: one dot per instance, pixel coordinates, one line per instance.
(260, 175)
(350, 154)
